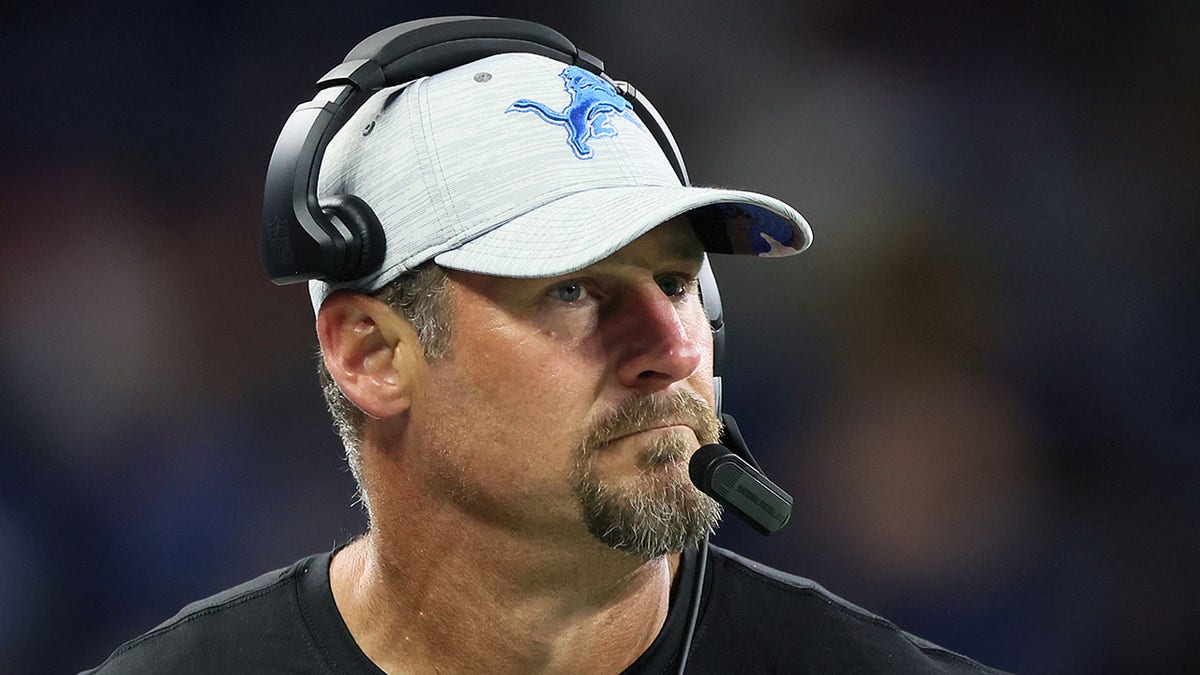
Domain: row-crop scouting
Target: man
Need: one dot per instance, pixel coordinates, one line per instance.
(520, 383)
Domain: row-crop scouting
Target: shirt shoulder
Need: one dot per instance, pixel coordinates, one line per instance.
(756, 615)
(257, 626)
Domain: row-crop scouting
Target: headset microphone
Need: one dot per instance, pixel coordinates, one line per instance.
(729, 479)
(729, 474)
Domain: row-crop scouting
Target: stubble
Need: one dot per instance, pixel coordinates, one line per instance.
(658, 511)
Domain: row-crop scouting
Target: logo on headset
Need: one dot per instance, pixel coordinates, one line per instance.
(279, 241)
(588, 115)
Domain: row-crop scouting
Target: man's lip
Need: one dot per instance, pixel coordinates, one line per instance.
(664, 425)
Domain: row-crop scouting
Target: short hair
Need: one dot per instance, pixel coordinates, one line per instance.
(419, 295)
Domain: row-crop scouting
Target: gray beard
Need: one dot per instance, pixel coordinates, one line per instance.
(660, 511)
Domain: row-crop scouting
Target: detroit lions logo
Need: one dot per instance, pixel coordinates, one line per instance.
(588, 115)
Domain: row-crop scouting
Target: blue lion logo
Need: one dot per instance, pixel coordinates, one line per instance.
(587, 115)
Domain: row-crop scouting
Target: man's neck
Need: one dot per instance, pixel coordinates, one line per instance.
(418, 606)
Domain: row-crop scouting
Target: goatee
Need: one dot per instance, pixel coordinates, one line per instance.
(659, 511)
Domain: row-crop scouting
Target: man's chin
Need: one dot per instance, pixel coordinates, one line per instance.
(651, 514)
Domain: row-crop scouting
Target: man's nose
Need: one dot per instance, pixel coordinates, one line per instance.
(656, 344)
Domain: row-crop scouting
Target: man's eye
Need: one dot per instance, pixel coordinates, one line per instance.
(672, 285)
(568, 292)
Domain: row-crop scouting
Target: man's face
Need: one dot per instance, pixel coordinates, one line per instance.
(571, 405)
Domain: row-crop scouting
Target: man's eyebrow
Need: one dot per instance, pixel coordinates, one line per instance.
(684, 250)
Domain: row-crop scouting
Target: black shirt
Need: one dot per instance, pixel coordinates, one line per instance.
(751, 619)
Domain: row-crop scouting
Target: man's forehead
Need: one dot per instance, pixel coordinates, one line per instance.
(671, 241)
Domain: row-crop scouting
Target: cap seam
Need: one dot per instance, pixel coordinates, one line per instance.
(428, 170)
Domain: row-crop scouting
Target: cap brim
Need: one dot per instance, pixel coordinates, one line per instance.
(584, 228)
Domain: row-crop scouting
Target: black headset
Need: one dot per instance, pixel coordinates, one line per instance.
(340, 239)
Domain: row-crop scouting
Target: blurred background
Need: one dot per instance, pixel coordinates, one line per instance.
(980, 383)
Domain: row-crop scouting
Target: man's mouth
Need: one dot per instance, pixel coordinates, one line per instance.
(663, 426)
(682, 419)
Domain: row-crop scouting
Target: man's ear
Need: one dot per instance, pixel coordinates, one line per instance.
(371, 352)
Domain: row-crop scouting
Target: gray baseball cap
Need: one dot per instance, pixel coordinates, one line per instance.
(517, 165)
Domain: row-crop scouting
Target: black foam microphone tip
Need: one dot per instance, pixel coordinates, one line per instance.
(729, 479)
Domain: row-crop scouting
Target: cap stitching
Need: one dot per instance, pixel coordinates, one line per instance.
(427, 169)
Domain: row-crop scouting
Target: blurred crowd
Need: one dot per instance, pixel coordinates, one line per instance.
(980, 384)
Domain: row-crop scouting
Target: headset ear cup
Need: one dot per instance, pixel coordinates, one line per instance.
(365, 241)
